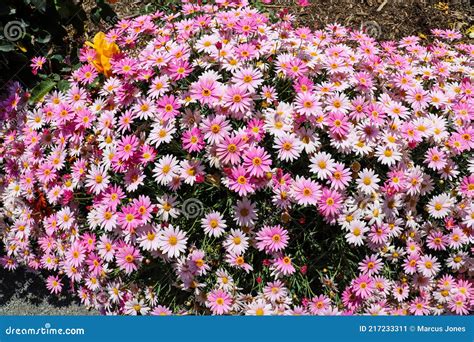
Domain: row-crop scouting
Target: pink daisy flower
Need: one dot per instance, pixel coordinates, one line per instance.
(459, 304)
(371, 265)
(215, 128)
(37, 64)
(219, 302)
(159, 86)
(238, 261)
(339, 178)
(338, 124)
(410, 263)
(428, 265)
(230, 149)
(436, 240)
(284, 265)
(237, 99)
(419, 306)
(308, 104)
(363, 286)
(54, 284)
(248, 78)
(435, 158)
(319, 304)
(75, 255)
(161, 310)
(305, 191)
(206, 90)
(272, 238)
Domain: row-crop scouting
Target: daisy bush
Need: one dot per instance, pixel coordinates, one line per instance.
(221, 160)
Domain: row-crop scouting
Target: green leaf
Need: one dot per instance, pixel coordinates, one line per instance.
(64, 85)
(57, 57)
(7, 48)
(39, 91)
(44, 37)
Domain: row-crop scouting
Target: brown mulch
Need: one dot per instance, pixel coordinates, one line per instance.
(387, 19)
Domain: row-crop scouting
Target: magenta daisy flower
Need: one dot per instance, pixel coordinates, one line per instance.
(193, 140)
(467, 186)
(168, 107)
(257, 161)
(330, 202)
(129, 218)
(127, 146)
(128, 258)
(240, 181)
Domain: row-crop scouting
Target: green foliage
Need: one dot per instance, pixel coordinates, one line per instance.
(54, 29)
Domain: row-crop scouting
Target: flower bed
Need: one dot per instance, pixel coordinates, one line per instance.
(219, 160)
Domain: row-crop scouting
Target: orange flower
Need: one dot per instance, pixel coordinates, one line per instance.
(104, 51)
